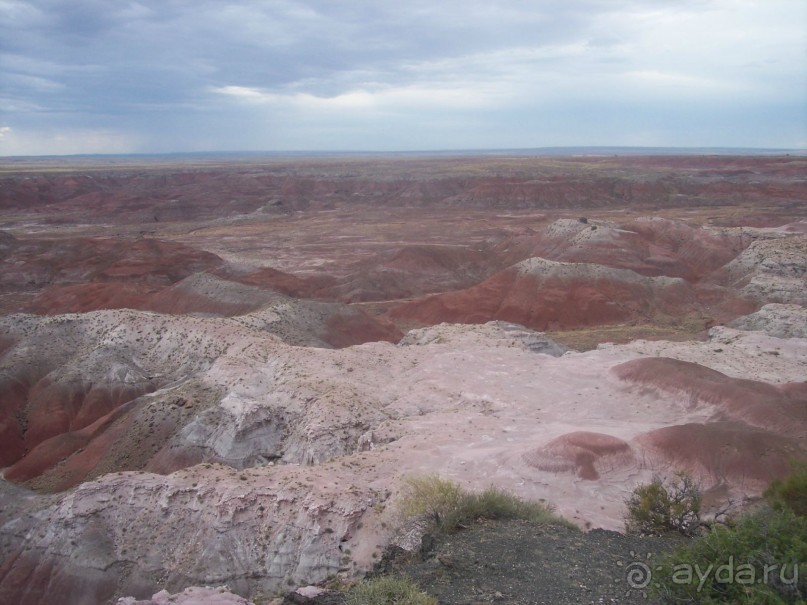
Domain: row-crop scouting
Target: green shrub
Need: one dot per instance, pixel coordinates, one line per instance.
(388, 590)
(440, 501)
(790, 493)
(729, 564)
(660, 507)
(447, 507)
(495, 503)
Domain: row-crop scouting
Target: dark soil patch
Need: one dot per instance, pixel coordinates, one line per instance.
(516, 562)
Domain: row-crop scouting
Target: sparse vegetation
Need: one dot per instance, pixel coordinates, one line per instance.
(660, 507)
(388, 590)
(759, 559)
(762, 560)
(790, 493)
(447, 507)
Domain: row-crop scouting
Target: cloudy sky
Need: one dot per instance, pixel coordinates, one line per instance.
(120, 76)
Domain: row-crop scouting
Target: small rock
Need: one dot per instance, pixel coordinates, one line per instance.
(309, 592)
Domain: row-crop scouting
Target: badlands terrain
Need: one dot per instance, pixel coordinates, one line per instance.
(217, 371)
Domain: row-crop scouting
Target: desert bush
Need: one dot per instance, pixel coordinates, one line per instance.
(388, 590)
(447, 507)
(790, 493)
(495, 503)
(762, 560)
(660, 507)
(439, 501)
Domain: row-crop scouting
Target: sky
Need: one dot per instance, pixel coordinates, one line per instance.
(159, 76)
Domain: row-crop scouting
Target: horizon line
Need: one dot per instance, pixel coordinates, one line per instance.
(556, 150)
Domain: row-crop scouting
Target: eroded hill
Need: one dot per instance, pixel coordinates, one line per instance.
(220, 374)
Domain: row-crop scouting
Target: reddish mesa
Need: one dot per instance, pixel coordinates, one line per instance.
(649, 247)
(577, 296)
(90, 274)
(725, 451)
(757, 429)
(778, 408)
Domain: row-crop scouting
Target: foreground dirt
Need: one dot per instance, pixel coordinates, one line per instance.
(518, 563)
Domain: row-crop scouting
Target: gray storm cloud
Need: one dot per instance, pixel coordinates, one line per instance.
(96, 76)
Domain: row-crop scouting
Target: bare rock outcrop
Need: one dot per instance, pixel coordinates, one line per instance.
(126, 389)
(770, 270)
(127, 533)
(280, 465)
(542, 294)
(492, 334)
(780, 320)
(150, 263)
(195, 595)
(650, 246)
(71, 380)
(299, 322)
